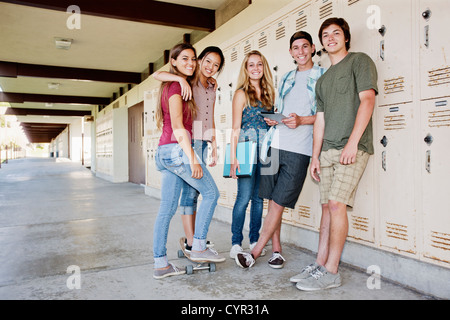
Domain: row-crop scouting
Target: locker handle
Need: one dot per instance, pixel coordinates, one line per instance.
(428, 161)
(427, 36)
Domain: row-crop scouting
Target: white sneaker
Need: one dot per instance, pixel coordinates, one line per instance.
(235, 250)
(263, 252)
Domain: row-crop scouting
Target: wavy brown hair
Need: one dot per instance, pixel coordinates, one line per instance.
(266, 82)
(163, 94)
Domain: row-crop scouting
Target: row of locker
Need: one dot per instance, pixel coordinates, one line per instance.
(399, 201)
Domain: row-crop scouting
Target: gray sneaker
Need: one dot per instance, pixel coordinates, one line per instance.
(209, 255)
(320, 279)
(305, 273)
(170, 271)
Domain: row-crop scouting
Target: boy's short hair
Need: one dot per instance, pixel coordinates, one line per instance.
(301, 35)
(340, 22)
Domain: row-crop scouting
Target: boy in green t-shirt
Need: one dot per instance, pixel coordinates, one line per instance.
(343, 139)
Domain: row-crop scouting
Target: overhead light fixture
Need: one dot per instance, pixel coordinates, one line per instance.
(63, 43)
(48, 105)
(53, 85)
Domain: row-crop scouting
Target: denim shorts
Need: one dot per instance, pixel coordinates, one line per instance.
(282, 177)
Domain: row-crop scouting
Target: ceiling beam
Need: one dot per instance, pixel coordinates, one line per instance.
(29, 97)
(13, 70)
(42, 132)
(46, 112)
(146, 11)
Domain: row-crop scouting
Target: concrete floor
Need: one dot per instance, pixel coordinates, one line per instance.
(54, 215)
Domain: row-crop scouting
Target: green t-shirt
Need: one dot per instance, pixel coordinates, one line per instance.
(337, 94)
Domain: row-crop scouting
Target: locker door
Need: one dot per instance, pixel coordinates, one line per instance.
(262, 40)
(435, 159)
(279, 35)
(307, 205)
(355, 13)
(394, 160)
(319, 12)
(361, 217)
(394, 48)
(434, 48)
(302, 20)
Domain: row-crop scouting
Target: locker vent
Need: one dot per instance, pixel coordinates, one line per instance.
(394, 85)
(440, 118)
(247, 48)
(350, 2)
(394, 122)
(234, 56)
(397, 231)
(262, 42)
(280, 33)
(301, 23)
(266, 204)
(304, 212)
(360, 223)
(223, 118)
(326, 10)
(437, 77)
(223, 195)
(440, 240)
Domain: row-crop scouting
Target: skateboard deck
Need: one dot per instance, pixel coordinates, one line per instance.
(200, 265)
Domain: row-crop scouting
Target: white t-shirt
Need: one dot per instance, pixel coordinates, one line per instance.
(298, 140)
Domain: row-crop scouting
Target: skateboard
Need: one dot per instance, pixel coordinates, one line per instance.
(200, 265)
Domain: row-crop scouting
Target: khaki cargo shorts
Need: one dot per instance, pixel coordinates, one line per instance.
(337, 181)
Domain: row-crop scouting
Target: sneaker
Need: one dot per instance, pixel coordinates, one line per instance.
(320, 279)
(188, 248)
(277, 261)
(235, 250)
(263, 252)
(171, 270)
(244, 260)
(305, 273)
(208, 255)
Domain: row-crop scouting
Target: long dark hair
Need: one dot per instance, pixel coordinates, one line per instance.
(174, 53)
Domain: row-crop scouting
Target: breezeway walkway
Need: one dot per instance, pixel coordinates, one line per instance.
(57, 214)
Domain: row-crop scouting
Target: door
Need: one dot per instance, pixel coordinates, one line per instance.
(136, 157)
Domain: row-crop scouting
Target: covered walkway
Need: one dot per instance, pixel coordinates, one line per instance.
(57, 214)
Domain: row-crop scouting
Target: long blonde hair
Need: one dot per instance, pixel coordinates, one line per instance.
(266, 82)
(163, 94)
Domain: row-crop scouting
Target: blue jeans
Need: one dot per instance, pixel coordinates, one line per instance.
(175, 170)
(189, 195)
(247, 189)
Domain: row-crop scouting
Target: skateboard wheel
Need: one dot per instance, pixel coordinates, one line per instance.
(212, 267)
(189, 269)
(180, 254)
